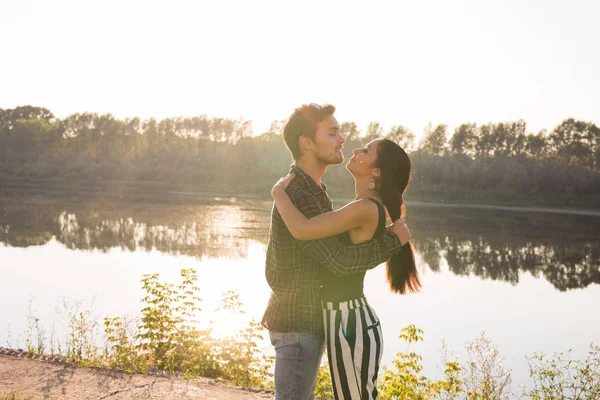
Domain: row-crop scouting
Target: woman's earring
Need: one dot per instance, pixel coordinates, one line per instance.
(371, 184)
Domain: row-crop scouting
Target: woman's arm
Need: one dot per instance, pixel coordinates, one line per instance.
(349, 217)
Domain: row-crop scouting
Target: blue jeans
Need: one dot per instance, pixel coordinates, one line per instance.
(297, 360)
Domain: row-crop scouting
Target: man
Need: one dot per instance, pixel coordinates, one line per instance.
(293, 316)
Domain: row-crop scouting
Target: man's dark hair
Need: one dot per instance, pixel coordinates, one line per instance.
(303, 122)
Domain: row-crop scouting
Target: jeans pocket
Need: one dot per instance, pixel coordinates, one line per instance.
(283, 339)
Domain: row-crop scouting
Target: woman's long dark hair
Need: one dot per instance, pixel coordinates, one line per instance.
(394, 171)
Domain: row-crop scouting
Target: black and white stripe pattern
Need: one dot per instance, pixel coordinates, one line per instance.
(354, 348)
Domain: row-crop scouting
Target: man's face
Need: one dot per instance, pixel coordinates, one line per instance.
(329, 142)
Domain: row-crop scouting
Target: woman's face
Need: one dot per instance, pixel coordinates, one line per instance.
(362, 162)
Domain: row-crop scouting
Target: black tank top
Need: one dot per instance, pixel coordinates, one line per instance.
(341, 288)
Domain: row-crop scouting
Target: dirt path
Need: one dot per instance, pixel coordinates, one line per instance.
(49, 380)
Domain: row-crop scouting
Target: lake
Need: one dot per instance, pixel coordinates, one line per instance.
(529, 280)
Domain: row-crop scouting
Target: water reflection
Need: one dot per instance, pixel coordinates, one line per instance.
(495, 245)
(564, 249)
(212, 230)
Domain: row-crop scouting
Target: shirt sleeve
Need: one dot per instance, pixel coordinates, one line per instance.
(343, 259)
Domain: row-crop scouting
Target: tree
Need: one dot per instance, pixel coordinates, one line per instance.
(32, 136)
(576, 143)
(536, 145)
(9, 117)
(404, 137)
(222, 129)
(508, 138)
(434, 141)
(495, 160)
(464, 140)
(349, 131)
(31, 112)
(4, 121)
(277, 126)
(243, 129)
(374, 131)
(107, 134)
(484, 144)
(166, 128)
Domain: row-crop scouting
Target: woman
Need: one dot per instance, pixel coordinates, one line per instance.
(381, 171)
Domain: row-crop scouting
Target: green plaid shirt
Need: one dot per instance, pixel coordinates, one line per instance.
(292, 266)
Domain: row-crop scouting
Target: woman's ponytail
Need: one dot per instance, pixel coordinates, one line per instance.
(394, 167)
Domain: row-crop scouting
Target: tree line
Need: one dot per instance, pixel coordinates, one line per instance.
(494, 162)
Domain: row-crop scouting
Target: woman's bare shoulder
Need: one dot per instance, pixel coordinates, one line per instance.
(363, 208)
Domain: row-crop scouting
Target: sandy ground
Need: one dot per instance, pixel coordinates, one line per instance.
(46, 380)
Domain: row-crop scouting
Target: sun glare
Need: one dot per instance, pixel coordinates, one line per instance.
(228, 325)
(244, 279)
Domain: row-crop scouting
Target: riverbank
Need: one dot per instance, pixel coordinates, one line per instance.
(36, 379)
(158, 192)
(162, 192)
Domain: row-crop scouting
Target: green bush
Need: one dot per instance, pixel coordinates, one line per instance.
(166, 337)
(564, 378)
(324, 382)
(405, 381)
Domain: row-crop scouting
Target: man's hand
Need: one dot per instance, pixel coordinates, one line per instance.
(401, 230)
(282, 183)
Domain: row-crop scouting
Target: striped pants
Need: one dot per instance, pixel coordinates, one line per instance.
(354, 346)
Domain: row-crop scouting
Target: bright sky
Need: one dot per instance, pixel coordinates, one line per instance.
(395, 62)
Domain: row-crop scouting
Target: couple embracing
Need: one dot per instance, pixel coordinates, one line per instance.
(317, 258)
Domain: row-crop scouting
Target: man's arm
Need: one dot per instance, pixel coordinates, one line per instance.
(340, 258)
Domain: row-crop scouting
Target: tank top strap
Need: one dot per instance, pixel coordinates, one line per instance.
(381, 223)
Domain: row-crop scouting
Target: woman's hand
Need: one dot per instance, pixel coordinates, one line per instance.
(401, 230)
(282, 183)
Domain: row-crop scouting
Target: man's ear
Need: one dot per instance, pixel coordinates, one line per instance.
(306, 143)
(376, 172)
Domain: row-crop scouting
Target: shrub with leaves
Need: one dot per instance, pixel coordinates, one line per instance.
(564, 378)
(484, 376)
(239, 357)
(167, 337)
(324, 383)
(121, 345)
(83, 329)
(406, 380)
(451, 387)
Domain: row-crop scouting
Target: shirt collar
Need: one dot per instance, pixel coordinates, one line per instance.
(307, 181)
